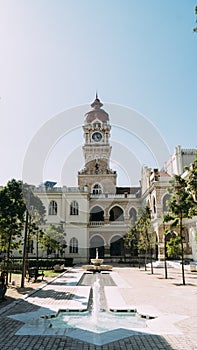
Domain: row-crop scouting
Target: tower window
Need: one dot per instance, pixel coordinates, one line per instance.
(97, 189)
(74, 208)
(52, 208)
(97, 125)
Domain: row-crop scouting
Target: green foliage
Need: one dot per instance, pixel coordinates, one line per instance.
(141, 236)
(181, 205)
(192, 180)
(147, 236)
(53, 239)
(35, 208)
(174, 247)
(12, 209)
(131, 239)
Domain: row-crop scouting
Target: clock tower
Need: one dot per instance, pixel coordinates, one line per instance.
(97, 175)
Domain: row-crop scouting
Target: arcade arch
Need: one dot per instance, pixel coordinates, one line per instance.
(117, 246)
(97, 241)
(97, 214)
(116, 213)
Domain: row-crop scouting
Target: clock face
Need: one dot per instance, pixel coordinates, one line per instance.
(97, 136)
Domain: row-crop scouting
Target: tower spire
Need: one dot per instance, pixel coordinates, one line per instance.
(97, 103)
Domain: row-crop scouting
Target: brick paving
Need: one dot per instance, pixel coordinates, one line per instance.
(137, 287)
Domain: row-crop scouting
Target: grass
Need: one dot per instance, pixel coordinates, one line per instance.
(51, 273)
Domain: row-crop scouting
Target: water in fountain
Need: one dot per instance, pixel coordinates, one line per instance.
(97, 319)
(96, 301)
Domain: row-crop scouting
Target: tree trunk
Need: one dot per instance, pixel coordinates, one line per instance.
(151, 260)
(24, 250)
(8, 256)
(182, 249)
(145, 261)
(165, 263)
(37, 248)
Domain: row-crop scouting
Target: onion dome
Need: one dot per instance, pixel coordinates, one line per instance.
(96, 112)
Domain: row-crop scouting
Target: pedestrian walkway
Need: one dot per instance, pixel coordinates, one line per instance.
(173, 307)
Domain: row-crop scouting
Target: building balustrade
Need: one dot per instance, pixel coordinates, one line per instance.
(111, 196)
(64, 189)
(117, 222)
(101, 223)
(97, 223)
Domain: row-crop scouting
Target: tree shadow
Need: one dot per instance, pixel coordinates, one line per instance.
(163, 278)
(185, 285)
(8, 300)
(56, 295)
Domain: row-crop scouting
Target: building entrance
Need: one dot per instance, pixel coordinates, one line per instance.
(96, 242)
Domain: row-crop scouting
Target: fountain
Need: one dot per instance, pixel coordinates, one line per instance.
(96, 325)
(97, 319)
(96, 265)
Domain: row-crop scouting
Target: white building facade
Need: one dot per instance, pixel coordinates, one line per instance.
(97, 213)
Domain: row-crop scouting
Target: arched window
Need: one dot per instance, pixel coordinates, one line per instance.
(74, 208)
(133, 215)
(73, 247)
(96, 124)
(52, 208)
(97, 189)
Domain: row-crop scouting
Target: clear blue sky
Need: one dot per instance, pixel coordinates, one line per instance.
(55, 54)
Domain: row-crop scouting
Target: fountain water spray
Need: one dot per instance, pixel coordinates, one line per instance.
(96, 300)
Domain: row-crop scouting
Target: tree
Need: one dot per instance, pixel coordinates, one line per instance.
(147, 236)
(141, 236)
(174, 247)
(181, 206)
(53, 239)
(171, 248)
(12, 210)
(192, 179)
(131, 239)
(35, 212)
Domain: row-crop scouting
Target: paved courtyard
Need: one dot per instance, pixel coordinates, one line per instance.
(26, 323)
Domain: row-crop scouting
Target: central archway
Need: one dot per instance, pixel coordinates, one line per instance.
(96, 242)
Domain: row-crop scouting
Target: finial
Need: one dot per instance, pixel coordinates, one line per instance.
(96, 104)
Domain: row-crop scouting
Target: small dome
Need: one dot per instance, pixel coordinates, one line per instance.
(96, 112)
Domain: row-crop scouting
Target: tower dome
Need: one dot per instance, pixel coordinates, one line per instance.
(96, 112)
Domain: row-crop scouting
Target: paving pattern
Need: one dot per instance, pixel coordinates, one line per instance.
(169, 301)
